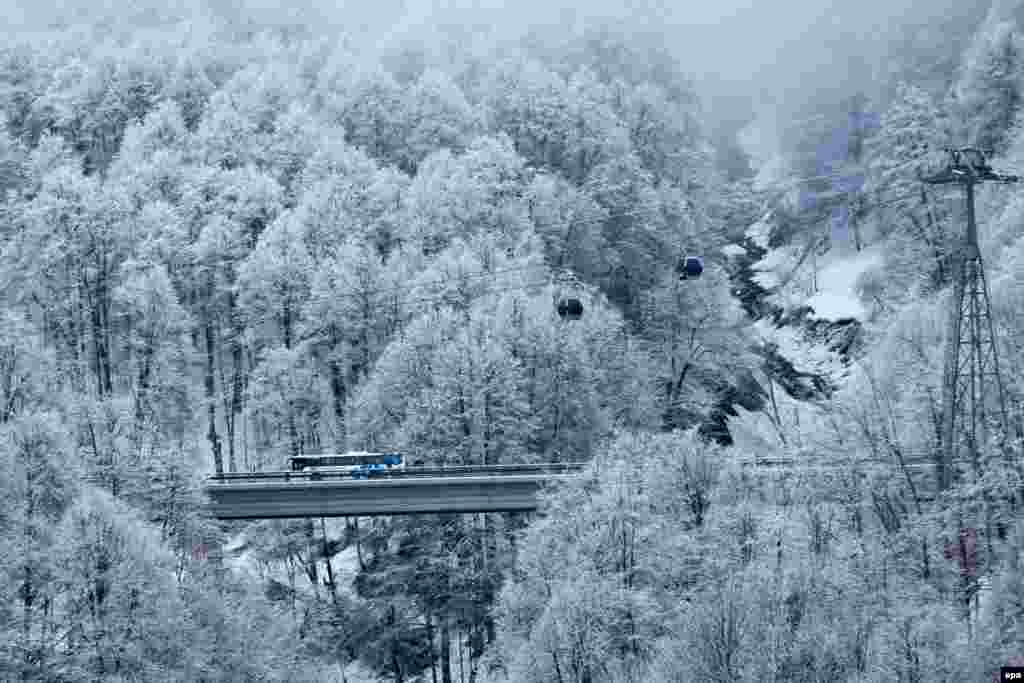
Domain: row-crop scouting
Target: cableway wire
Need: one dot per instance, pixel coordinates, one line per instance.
(461, 278)
(811, 179)
(419, 305)
(828, 176)
(437, 300)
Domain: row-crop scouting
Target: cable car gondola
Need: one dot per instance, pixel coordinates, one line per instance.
(570, 308)
(690, 268)
(567, 299)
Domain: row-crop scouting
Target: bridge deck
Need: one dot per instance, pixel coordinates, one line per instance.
(434, 490)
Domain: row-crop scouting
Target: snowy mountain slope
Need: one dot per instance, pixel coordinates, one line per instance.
(809, 309)
(836, 298)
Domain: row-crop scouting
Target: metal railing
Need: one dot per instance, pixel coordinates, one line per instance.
(407, 473)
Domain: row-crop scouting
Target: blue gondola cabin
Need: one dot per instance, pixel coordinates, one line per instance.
(690, 268)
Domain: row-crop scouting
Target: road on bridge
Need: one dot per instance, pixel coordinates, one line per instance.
(497, 488)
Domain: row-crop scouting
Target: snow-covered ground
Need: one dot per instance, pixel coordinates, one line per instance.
(759, 231)
(771, 173)
(827, 283)
(837, 284)
(755, 434)
(345, 564)
(772, 268)
(806, 356)
(732, 250)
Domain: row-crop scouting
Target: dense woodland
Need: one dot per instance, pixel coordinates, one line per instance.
(224, 243)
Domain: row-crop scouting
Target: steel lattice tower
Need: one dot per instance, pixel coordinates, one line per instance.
(973, 393)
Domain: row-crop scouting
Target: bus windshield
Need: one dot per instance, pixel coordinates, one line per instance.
(350, 460)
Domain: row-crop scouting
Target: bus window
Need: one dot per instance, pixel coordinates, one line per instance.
(348, 462)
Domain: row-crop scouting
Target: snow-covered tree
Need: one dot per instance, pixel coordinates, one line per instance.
(990, 90)
(908, 147)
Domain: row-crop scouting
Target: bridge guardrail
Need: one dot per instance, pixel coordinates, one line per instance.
(408, 473)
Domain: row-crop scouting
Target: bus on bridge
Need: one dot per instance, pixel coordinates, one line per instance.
(356, 462)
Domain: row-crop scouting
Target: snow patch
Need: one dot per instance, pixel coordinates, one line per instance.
(757, 436)
(837, 298)
(827, 283)
(241, 558)
(753, 432)
(733, 250)
(356, 672)
(806, 357)
(767, 280)
(767, 268)
(771, 173)
(759, 231)
(835, 306)
(983, 599)
(346, 567)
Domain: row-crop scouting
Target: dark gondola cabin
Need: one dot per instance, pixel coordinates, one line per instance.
(690, 268)
(570, 309)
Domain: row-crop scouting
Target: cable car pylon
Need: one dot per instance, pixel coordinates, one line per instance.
(972, 388)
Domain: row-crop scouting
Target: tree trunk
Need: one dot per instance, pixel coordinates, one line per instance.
(359, 545)
(673, 388)
(558, 667)
(490, 629)
(145, 372)
(338, 391)
(290, 563)
(396, 661)
(311, 568)
(433, 652)
(28, 586)
(327, 560)
(229, 422)
(211, 434)
(234, 408)
(855, 226)
(293, 432)
(97, 347)
(446, 651)
(235, 411)
(462, 668)
(250, 361)
(101, 333)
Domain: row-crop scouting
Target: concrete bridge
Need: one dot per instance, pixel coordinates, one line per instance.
(496, 488)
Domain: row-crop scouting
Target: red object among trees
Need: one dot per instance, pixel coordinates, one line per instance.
(965, 550)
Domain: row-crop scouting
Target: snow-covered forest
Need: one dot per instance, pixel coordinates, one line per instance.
(232, 234)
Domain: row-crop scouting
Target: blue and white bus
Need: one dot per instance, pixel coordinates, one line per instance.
(356, 462)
